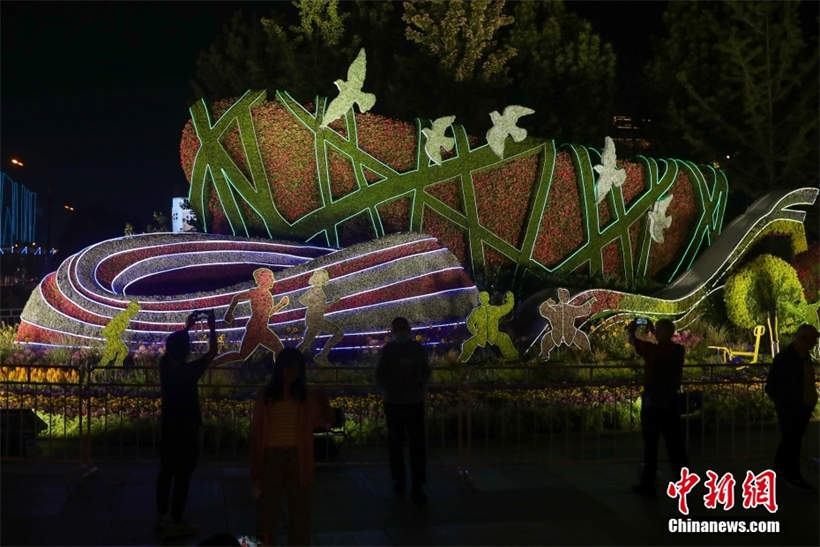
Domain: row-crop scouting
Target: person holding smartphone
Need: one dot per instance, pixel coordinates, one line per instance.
(660, 405)
(180, 422)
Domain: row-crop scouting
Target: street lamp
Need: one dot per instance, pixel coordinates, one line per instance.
(15, 161)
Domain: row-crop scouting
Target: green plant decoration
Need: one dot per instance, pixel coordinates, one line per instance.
(483, 326)
(115, 349)
(764, 287)
(244, 196)
(805, 312)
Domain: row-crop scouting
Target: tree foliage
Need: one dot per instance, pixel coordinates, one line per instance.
(565, 69)
(763, 288)
(462, 35)
(426, 59)
(739, 79)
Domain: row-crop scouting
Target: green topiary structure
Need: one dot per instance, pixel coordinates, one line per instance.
(766, 286)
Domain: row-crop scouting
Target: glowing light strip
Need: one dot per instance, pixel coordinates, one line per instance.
(356, 272)
(300, 259)
(77, 320)
(222, 330)
(380, 250)
(193, 241)
(202, 265)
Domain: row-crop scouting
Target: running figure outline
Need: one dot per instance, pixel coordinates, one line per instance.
(315, 322)
(257, 331)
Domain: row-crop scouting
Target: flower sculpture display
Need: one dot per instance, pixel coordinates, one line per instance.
(283, 169)
(170, 275)
(709, 273)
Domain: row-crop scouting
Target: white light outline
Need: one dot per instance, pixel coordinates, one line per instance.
(375, 266)
(125, 302)
(139, 263)
(227, 329)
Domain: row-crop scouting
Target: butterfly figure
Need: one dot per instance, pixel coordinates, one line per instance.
(505, 125)
(658, 220)
(608, 172)
(350, 92)
(436, 139)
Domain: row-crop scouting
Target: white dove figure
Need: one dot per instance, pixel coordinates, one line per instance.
(608, 172)
(658, 219)
(436, 139)
(504, 125)
(350, 92)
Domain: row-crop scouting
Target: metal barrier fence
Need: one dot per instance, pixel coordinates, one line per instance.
(10, 315)
(489, 413)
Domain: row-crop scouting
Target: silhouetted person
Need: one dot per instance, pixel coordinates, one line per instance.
(403, 373)
(660, 401)
(181, 420)
(791, 386)
(284, 418)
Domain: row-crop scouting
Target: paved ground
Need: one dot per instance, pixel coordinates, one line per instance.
(558, 503)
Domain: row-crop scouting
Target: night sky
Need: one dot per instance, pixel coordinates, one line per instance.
(94, 98)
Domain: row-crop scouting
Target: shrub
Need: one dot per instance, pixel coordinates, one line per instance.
(761, 288)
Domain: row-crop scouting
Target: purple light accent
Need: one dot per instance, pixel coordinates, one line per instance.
(194, 330)
(383, 265)
(206, 265)
(125, 302)
(303, 259)
(248, 317)
(192, 240)
(226, 329)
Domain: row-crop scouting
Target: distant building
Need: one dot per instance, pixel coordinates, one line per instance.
(630, 134)
(182, 216)
(18, 213)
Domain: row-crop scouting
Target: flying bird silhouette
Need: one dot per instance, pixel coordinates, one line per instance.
(658, 220)
(504, 125)
(350, 92)
(608, 172)
(436, 139)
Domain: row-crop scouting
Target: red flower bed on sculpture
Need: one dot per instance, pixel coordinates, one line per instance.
(562, 228)
(684, 213)
(807, 265)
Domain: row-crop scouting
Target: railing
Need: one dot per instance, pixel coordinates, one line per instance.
(487, 413)
(10, 315)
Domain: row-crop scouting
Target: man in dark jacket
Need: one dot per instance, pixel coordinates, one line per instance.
(791, 386)
(180, 422)
(660, 405)
(403, 372)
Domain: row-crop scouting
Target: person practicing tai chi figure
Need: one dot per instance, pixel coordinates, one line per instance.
(257, 331)
(315, 302)
(561, 317)
(115, 349)
(483, 325)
